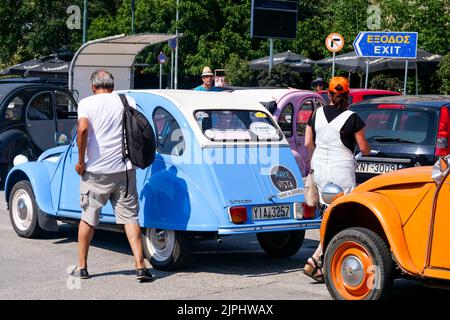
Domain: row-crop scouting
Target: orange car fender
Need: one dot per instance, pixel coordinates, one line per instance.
(387, 215)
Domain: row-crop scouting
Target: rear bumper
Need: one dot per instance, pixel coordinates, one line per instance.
(270, 226)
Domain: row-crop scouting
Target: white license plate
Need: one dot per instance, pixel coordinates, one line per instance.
(376, 168)
(270, 212)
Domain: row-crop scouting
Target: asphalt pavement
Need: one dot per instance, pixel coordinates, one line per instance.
(235, 269)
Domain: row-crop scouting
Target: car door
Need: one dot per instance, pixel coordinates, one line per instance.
(66, 116)
(440, 257)
(40, 120)
(305, 108)
(69, 203)
(286, 123)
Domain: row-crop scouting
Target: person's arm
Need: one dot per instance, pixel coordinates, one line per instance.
(309, 140)
(82, 135)
(361, 140)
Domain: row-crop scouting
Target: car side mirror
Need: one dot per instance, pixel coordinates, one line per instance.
(439, 170)
(61, 139)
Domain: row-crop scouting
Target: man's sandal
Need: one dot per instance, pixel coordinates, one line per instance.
(314, 270)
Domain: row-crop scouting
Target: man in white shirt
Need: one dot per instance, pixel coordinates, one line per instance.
(103, 175)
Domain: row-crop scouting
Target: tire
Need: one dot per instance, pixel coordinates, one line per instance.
(166, 249)
(23, 210)
(369, 268)
(281, 244)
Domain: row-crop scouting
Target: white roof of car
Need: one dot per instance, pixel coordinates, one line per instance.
(188, 101)
(191, 100)
(264, 95)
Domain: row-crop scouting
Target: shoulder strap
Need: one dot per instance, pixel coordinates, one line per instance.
(124, 100)
(341, 119)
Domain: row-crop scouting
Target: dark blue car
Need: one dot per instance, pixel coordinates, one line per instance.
(35, 114)
(403, 131)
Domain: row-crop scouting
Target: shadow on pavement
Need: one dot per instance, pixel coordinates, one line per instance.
(236, 255)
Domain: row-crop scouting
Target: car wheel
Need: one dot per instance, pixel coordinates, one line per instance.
(23, 210)
(166, 249)
(358, 266)
(281, 244)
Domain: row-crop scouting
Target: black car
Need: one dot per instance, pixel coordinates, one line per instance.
(35, 114)
(403, 131)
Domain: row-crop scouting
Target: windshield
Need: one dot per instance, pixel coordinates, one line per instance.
(237, 125)
(398, 125)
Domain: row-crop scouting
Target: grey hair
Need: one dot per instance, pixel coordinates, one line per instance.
(102, 79)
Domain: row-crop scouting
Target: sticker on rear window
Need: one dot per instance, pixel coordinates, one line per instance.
(260, 115)
(264, 130)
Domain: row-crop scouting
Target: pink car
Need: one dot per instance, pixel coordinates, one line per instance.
(291, 108)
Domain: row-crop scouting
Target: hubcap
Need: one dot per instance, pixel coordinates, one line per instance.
(352, 271)
(159, 243)
(22, 210)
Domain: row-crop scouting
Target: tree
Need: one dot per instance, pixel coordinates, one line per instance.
(280, 76)
(444, 74)
(238, 72)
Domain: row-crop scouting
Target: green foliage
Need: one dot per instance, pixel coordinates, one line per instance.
(238, 72)
(215, 31)
(281, 76)
(444, 74)
(385, 82)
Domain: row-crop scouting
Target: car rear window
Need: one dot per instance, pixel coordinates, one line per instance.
(398, 124)
(237, 125)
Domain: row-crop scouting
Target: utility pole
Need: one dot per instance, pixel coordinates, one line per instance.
(176, 52)
(85, 17)
(132, 16)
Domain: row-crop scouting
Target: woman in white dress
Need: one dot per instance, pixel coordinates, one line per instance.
(331, 136)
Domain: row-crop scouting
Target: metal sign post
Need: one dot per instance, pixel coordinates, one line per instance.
(406, 78)
(162, 58)
(367, 73)
(334, 43)
(173, 46)
(270, 54)
(176, 51)
(332, 69)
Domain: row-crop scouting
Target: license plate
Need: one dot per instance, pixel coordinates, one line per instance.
(376, 168)
(270, 212)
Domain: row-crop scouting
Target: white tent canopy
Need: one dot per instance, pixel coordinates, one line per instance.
(116, 54)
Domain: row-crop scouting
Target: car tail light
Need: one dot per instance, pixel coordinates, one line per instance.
(442, 135)
(238, 215)
(390, 106)
(308, 212)
(303, 211)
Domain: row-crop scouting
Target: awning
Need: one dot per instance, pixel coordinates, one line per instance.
(116, 54)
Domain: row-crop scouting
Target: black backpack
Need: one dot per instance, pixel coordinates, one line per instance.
(138, 143)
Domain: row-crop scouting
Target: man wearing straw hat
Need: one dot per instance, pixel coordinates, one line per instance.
(207, 78)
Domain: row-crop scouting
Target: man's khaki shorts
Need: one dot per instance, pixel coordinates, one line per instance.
(97, 189)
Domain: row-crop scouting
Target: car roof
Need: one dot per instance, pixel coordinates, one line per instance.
(362, 90)
(190, 100)
(266, 95)
(9, 84)
(419, 100)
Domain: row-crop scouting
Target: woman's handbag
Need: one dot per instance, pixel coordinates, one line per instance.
(311, 191)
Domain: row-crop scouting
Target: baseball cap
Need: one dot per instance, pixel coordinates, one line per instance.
(338, 85)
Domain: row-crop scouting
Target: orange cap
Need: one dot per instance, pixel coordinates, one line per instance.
(338, 85)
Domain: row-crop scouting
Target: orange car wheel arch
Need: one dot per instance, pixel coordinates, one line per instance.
(387, 215)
